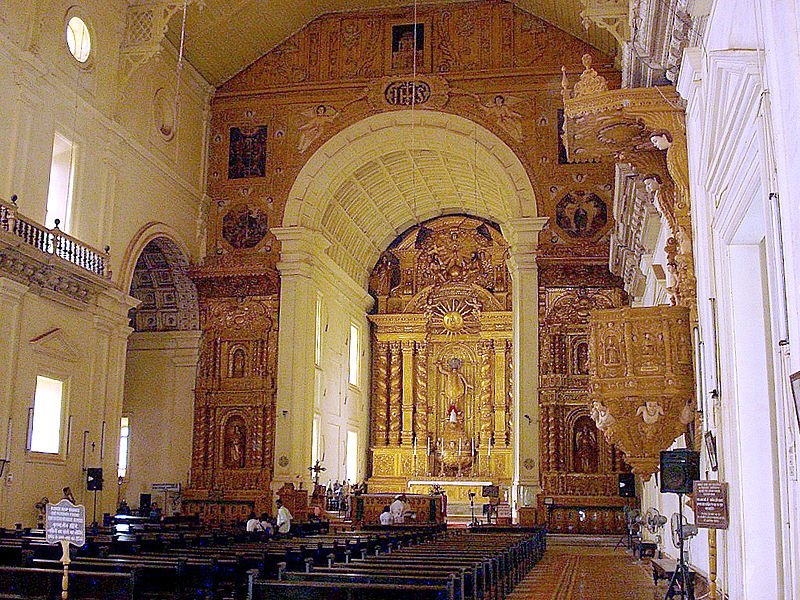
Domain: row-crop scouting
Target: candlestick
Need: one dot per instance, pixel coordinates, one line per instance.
(490, 446)
(459, 446)
(415, 446)
(428, 448)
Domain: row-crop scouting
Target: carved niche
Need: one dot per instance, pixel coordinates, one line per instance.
(579, 466)
(234, 413)
(441, 401)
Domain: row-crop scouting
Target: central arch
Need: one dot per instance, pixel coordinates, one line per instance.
(381, 175)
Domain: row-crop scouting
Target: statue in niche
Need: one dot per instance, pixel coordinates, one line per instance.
(455, 387)
(235, 444)
(584, 446)
(611, 346)
(582, 359)
(237, 360)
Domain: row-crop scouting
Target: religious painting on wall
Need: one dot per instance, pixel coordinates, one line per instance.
(244, 227)
(247, 154)
(408, 43)
(581, 214)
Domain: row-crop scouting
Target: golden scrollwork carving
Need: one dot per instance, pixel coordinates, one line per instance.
(642, 381)
(380, 393)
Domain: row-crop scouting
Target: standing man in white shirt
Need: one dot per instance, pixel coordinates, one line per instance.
(398, 509)
(284, 518)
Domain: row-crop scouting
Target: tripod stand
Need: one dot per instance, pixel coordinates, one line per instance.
(681, 584)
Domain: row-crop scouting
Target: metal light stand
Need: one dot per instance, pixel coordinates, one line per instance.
(680, 584)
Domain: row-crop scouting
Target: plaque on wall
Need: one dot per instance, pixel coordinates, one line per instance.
(711, 504)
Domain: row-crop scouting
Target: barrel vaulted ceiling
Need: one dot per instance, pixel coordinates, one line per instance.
(222, 37)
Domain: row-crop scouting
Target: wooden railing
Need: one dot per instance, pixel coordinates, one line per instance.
(53, 241)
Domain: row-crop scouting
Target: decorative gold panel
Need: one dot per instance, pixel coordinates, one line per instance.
(642, 380)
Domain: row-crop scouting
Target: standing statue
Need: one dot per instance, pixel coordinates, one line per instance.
(455, 387)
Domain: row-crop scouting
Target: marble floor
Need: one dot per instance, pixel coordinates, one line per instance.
(586, 573)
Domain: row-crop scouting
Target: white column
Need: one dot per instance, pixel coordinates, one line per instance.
(523, 235)
(300, 251)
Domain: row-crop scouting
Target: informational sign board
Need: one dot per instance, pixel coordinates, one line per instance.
(65, 522)
(165, 487)
(711, 504)
(504, 511)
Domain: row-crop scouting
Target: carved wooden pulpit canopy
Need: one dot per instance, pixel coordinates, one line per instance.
(642, 380)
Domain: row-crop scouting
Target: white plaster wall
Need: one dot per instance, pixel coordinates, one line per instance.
(739, 122)
(159, 401)
(87, 352)
(127, 177)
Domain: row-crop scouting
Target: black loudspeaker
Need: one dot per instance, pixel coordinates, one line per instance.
(94, 479)
(627, 485)
(145, 502)
(679, 470)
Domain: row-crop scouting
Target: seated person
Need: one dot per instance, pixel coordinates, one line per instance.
(253, 524)
(385, 517)
(266, 525)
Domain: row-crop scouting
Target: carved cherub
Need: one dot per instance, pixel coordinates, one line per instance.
(319, 117)
(499, 110)
(651, 411)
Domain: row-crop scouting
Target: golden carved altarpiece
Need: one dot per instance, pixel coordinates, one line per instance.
(441, 397)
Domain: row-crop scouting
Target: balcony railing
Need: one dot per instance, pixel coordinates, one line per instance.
(53, 241)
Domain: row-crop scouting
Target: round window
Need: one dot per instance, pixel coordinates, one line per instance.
(79, 41)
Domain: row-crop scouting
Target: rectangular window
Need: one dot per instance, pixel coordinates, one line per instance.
(59, 195)
(315, 440)
(47, 409)
(318, 332)
(354, 354)
(351, 457)
(124, 446)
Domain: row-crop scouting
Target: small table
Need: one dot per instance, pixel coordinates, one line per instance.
(644, 549)
(664, 568)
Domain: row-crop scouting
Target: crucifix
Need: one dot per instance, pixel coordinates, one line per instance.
(316, 470)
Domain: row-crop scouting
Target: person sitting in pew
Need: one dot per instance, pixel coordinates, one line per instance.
(253, 524)
(267, 525)
(385, 517)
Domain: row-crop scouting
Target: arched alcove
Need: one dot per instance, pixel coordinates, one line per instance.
(382, 175)
(161, 364)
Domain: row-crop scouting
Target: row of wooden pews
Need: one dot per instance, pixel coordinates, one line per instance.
(178, 563)
(460, 565)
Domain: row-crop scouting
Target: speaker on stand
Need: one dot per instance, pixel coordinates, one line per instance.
(94, 483)
(679, 470)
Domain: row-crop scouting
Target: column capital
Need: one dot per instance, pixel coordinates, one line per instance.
(299, 249)
(524, 233)
(523, 238)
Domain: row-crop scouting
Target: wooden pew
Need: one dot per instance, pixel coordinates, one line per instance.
(21, 582)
